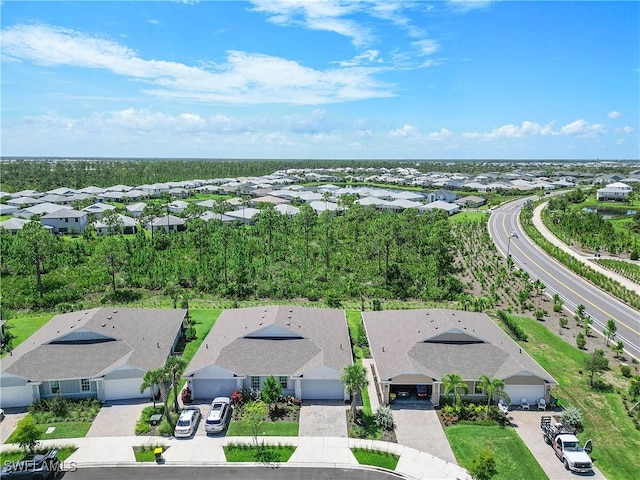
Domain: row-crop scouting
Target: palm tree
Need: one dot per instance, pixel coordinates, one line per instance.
(161, 378)
(452, 382)
(493, 386)
(174, 367)
(354, 378)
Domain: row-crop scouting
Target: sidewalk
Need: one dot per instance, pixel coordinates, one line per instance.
(329, 452)
(537, 222)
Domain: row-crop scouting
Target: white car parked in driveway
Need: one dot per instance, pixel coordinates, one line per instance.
(187, 422)
(218, 416)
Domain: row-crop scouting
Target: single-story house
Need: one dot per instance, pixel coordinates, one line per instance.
(221, 217)
(286, 209)
(178, 206)
(136, 209)
(129, 225)
(471, 201)
(7, 209)
(617, 191)
(66, 220)
(24, 202)
(450, 208)
(40, 209)
(420, 347)
(442, 194)
(244, 215)
(168, 223)
(102, 353)
(305, 349)
(14, 225)
(99, 209)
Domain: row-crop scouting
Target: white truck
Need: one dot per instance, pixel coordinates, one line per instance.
(566, 446)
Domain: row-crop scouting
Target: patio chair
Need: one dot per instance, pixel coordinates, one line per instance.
(524, 404)
(542, 404)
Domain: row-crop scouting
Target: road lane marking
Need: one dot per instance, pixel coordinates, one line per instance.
(504, 218)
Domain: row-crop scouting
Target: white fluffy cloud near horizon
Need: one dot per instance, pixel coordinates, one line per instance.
(241, 78)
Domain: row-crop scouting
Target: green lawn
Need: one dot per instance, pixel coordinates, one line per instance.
(204, 319)
(5, 217)
(268, 429)
(15, 455)
(23, 327)
(62, 430)
(468, 217)
(616, 441)
(376, 458)
(514, 461)
(146, 453)
(249, 453)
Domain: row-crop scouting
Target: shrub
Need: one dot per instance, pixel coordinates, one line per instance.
(27, 434)
(59, 406)
(572, 417)
(625, 370)
(384, 418)
(483, 466)
(581, 341)
(512, 325)
(165, 428)
(237, 398)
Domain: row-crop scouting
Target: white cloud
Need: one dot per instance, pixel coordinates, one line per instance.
(407, 131)
(243, 78)
(468, 5)
(526, 129)
(426, 47)
(627, 129)
(614, 114)
(582, 128)
(367, 57)
(440, 135)
(153, 21)
(326, 15)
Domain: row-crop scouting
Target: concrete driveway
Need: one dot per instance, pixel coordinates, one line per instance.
(418, 426)
(10, 421)
(323, 419)
(527, 425)
(118, 419)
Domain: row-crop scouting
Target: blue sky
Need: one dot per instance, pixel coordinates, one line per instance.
(322, 79)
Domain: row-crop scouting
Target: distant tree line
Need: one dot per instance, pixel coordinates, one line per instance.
(360, 254)
(47, 174)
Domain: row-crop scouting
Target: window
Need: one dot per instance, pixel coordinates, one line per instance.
(55, 387)
(478, 389)
(76, 220)
(283, 381)
(66, 220)
(255, 383)
(85, 385)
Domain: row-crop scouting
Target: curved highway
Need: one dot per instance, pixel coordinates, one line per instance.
(509, 237)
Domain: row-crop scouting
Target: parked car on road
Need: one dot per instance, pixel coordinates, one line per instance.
(218, 416)
(187, 422)
(33, 466)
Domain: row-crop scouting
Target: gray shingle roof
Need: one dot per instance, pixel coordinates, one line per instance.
(283, 341)
(415, 341)
(141, 338)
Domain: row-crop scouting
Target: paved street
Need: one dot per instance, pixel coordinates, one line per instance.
(558, 279)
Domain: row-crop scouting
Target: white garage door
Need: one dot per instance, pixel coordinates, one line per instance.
(532, 393)
(206, 388)
(122, 389)
(16, 396)
(322, 390)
